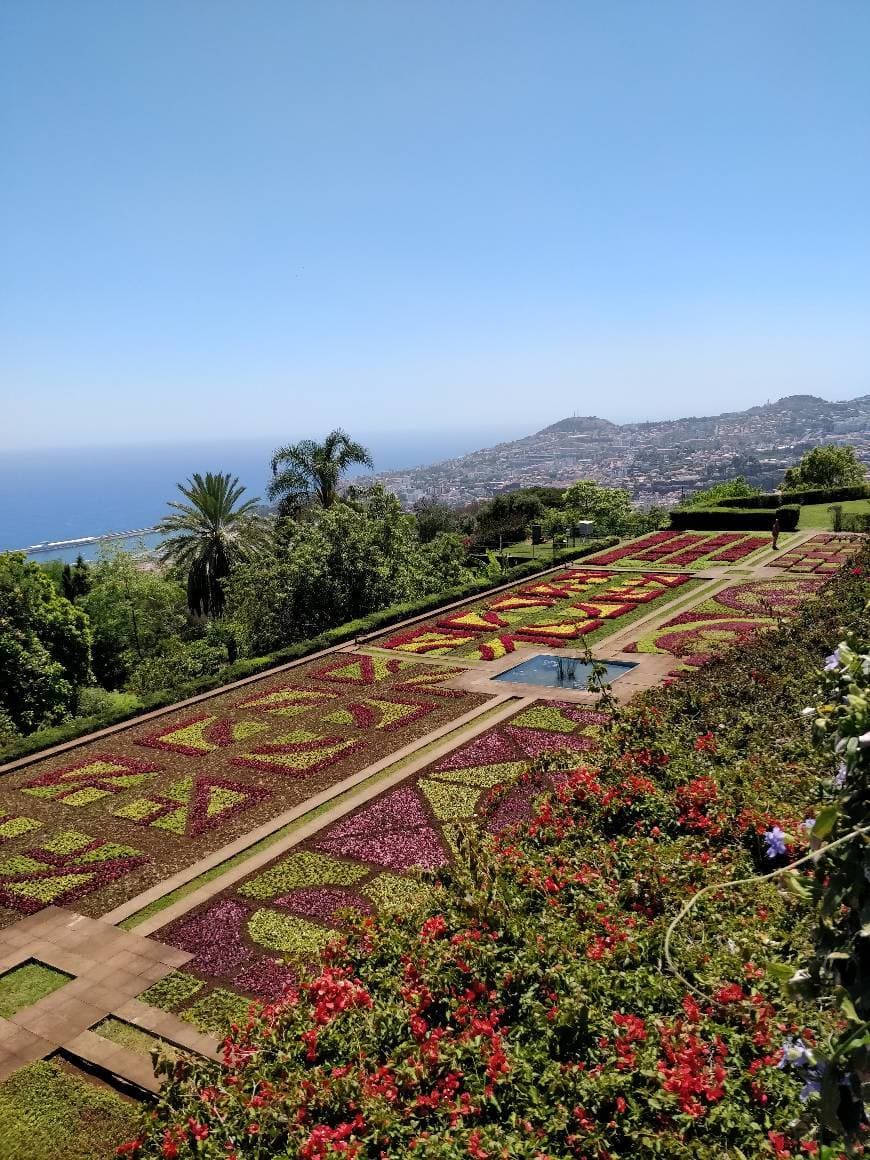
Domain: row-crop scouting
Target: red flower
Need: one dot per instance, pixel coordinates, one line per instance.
(433, 927)
(733, 993)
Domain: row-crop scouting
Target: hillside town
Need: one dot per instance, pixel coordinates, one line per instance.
(658, 463)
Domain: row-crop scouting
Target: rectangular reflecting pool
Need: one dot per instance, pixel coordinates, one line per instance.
(562, 672)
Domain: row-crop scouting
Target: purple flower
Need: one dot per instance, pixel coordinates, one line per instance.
(832, 663)
(808, 823)
(795, 1053)
(775, 842)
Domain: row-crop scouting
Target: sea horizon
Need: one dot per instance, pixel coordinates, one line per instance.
(65, 493)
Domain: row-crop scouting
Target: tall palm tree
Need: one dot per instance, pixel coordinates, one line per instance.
(209, 535)
(308, 473)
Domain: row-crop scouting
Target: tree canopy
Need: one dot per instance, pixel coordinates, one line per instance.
(308, 474)
(827, 466)
(736, 488)
(209, 535)
(352, 559)
(45, 646)
(609, 508)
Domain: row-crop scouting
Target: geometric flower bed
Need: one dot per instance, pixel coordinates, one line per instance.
(292, 907)
(559, 611)
(176, 787)
(822, 555)
(729, 617)
(673, 549)
(59, 869)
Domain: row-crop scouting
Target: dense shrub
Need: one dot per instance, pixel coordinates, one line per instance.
(728, 519)
(522, 1010)
(807, 496)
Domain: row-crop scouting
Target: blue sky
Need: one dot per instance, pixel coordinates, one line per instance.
(253, 218)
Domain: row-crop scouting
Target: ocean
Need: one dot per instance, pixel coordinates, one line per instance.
(61, 494)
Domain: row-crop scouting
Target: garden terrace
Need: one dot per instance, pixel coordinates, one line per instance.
(674, 549)
(109, 819)
(822, 555)
(570, 607)
(731, 616)
(364, 862)
(520, 1007)
(249, 831)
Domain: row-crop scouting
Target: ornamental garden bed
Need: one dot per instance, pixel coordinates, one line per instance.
(525, 1009)
(109, 819)
(822, 555)
(562, 611)
(675, 549)
(732, 616)
(364, 863)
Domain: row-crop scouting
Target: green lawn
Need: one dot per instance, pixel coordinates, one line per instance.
(137, 1039)
(816, 515)
(26, 984)
(47, 1113)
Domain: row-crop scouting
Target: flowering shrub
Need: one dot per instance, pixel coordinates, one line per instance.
(521, 1010)
(841, 962)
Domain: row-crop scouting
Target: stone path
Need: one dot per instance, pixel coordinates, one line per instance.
(108, 968)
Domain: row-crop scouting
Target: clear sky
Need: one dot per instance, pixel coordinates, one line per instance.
(246, 217)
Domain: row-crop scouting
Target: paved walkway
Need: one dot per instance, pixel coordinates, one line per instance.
(108, 968)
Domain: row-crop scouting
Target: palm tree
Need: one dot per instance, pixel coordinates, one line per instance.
(209, 535)
(308, 473)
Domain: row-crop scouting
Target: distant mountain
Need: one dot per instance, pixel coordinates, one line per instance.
(656, 461)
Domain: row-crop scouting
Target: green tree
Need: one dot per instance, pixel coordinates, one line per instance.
(45, 646)
(308, 474)
(133, 613)
(76, 580)
(352, 559)
(736, 488)
(433, 518)
(609, 508)
(507, 517)
(826, 466)
(209, 536)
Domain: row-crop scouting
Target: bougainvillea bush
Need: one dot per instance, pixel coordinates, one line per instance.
(524, 1008)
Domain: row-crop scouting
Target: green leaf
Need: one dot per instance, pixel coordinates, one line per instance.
(794, 885)
(781, 972)
(825, 821)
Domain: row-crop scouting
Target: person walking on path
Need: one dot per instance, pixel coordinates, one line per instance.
(774, 532)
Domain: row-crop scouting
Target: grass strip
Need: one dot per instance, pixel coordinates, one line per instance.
(27, 984)
(48, 1113)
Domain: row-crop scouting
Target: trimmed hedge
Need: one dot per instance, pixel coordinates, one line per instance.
(809, 495)
(734, 519)
(250, 666)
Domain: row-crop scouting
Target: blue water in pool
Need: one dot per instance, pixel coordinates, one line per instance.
(544, 670)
